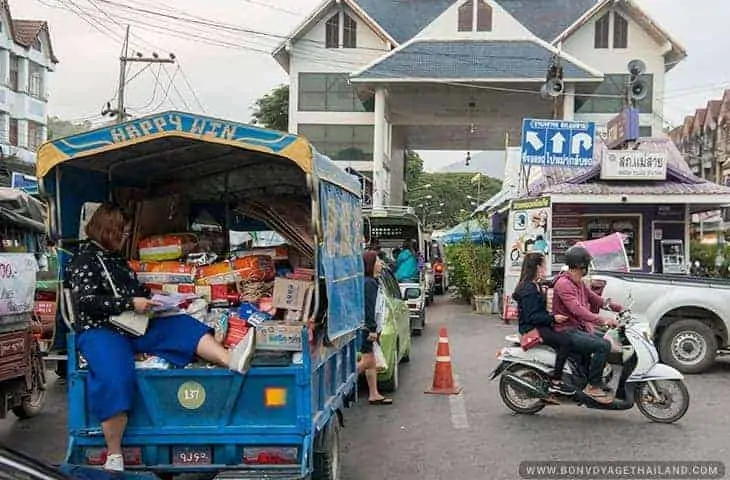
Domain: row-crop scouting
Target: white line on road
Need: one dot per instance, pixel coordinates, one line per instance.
(457, 405)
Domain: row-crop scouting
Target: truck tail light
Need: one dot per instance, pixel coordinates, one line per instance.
(271, 456)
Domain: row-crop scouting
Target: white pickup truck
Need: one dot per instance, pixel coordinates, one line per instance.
(689, 318)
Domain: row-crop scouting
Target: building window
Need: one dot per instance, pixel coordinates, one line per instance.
(484, 17)
(332, 32)
(35, 84)
(13, 132)
(620, 31)
(36, 45)
(331, 92)
(349, 32)
(630, 225)
(601, 37)
(341, 142)
(466, 16)
(35, 135)
(645, 132)
(609, 96)
(13, 77)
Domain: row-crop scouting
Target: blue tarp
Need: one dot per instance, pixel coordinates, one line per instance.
(340, 258)
(471, 229)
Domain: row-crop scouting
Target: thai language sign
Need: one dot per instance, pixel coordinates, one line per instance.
(17, 282)
(633, 165)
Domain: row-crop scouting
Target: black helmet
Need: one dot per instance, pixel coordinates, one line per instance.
(578, 257)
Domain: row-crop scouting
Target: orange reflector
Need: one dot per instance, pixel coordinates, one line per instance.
(275, 397)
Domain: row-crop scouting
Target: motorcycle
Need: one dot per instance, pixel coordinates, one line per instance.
(653, 387)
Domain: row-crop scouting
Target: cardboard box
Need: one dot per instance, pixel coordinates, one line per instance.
(291, 294)
(280, 336)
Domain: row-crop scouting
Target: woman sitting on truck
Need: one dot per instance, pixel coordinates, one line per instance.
(110, 351)
(406, 265)
(367, 363)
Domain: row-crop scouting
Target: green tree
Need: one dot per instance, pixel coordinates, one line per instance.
(272, 110)
(58, 127)
(413, 168)
(450, 197)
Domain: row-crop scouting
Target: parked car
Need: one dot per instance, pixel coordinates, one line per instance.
(16, 465)
(688, 317)
(416, 301)
(395, 336)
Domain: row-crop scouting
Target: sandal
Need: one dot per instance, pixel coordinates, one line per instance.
(382, 401)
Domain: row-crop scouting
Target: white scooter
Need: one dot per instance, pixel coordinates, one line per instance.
(657, 390)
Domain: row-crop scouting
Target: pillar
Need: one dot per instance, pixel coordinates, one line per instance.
(4, 66)
(380, 183)
(23, 133)
(5, 128)
(23, 74)
(569, 102)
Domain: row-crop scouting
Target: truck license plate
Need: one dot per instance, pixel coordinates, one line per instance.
(191, 456)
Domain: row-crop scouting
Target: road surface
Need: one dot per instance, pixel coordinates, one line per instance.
(472, 436)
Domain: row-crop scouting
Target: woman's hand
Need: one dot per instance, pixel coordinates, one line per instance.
(560, 318)
(142, 305)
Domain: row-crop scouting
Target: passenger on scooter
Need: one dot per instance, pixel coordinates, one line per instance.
(533, 314)
(575, 300)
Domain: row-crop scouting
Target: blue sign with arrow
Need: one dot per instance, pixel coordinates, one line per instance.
(557, 143)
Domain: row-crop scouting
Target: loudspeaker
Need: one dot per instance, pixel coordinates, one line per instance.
(636, 67)
(552, 88)
(639, 90)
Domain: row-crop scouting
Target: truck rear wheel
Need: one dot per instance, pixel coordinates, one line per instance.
(327, 465)
(690, 346)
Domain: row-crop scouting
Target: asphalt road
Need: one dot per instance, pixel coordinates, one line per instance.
(472, 436)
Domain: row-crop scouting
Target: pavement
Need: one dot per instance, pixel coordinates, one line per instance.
(472, 435)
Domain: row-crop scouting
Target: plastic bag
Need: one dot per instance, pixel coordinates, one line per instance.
(379, 356)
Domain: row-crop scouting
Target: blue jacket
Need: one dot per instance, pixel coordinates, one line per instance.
(406, 267)
(532, 307)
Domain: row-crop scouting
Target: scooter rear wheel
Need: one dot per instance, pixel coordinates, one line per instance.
(517, 401)
(672, 405)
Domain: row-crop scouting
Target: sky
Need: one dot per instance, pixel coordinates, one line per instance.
(221, 72)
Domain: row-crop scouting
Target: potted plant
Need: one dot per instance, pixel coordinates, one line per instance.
(479, 276)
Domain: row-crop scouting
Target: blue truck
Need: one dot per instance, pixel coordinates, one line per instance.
(282, 419)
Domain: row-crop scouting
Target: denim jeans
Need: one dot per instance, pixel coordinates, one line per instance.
(595, 347)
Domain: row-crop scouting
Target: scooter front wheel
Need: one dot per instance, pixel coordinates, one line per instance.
(672, 402)
(517, 400)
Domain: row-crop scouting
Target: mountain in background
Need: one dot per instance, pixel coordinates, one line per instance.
(489, 163)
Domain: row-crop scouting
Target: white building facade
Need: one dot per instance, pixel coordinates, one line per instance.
(26, 59)
(371, 79)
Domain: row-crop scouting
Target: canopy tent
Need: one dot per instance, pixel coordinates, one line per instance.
(471, 230)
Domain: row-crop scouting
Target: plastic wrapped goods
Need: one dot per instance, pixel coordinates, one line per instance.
(167, 247)
(164, 272)
(255, 268)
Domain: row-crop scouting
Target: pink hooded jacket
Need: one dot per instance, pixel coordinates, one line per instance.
(579, 303)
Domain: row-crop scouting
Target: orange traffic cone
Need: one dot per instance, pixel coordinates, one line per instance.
(443, 376)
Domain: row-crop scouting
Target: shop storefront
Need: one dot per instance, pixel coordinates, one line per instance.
(648, 194)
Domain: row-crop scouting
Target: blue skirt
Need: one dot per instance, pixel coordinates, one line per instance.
(111, 382)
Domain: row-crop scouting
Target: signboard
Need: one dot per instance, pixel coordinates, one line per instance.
(557, 143)
(530, 230)
(26, 183)
(17, 282)
(622, 128)
(633, 165)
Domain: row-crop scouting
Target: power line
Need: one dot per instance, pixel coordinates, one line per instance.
(274, 7)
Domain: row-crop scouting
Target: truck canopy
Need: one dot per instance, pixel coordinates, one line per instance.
(21, 210)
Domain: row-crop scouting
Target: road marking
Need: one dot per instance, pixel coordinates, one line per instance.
(457, 405)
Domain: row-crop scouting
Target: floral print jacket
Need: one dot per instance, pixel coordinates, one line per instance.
(93, 298)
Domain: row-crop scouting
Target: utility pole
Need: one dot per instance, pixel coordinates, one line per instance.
(124, 59)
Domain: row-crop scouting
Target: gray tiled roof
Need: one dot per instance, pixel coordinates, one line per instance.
(403, 19)
(547, 18)
(585, 181)
(639, 188)
(472, 60)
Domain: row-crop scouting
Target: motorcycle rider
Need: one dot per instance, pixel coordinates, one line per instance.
(574, 299)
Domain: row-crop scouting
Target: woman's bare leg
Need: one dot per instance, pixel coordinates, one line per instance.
(212, 351)
(367, 364)
(113, 431)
